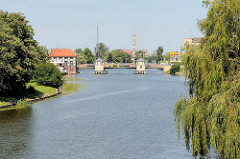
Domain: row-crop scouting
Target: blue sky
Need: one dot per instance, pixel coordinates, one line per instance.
(73, 23)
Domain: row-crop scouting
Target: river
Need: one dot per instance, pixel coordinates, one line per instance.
(119, 115)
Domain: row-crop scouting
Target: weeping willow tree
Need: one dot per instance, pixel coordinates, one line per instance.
(210, 118)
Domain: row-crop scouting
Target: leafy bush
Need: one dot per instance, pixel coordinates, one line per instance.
(31, 89)
(175, 68)
(48, 75)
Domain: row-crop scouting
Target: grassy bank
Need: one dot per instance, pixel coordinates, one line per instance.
(38, 91)
(71, 78)
(181, 72)
(33, 90)
(2, 103)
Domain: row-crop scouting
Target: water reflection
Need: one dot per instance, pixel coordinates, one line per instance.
(118, 115)
(15, 132)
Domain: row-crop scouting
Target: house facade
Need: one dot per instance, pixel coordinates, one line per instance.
(64, 59)
(192, 41)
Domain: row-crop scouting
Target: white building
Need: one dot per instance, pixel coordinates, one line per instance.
(64, 59)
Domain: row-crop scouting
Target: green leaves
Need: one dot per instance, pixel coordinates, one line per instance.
(159, 55)
(100, 50)
(17, 53)
(210, 117)
(119, 56)
(85, 56)
(48, 75)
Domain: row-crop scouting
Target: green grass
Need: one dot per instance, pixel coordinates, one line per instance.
(182, 69)
(71, 87)
(68, 78)
(4, 103)
(22, 104)
(45, 90)
(39, 91)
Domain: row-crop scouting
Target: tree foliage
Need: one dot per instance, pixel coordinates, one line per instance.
(17, 52)
(139, 54)
(80, 56)
(42, 54)
(109, 57)
(120, 57)
(88, 55)
(100, 50)
(48, 74)
(210, 118)
(159, 54)
(151, 58)
(174, 68)
(84, 56)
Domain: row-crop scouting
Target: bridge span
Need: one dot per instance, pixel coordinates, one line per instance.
(123, 65)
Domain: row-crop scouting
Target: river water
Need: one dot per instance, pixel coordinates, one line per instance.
(119, 115)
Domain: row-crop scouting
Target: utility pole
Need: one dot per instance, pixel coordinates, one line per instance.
(97, 44)
(97, 34)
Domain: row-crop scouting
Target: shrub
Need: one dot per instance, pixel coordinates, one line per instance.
(31, 89)
(175, 68)
(48, 75)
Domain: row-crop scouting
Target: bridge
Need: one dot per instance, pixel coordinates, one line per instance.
(123, 65)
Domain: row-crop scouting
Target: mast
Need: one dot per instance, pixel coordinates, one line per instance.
(97, 44)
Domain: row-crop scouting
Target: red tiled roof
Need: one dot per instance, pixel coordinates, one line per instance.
(61, 53)
(128, 51)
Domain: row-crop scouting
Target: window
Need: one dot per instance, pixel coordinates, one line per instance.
(71, 65)
(65, 63)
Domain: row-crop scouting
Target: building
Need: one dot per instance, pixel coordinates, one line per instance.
(145, 53)
(99, 67)
(132, 53)
(128, 51)
(64, 59)
(192, 41)
(175, 56)
(140, 66)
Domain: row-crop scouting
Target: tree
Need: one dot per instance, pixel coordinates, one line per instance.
(211, 116)
(88, 55)
(78, 51)
(174, 68)
(100, 50)
(159, 54)
(49, 75)
(151, 59)
(109, 57)
(42, 54)
(17, 52)
(121, 57)
(166, 57)
(139, 54)
(80, 56)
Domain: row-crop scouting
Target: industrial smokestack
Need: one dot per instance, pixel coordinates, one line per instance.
(134, 44)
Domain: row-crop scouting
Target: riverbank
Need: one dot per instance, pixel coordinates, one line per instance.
(39, 93)
(180, 73)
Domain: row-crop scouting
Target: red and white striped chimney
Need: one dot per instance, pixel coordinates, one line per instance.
(134, 44)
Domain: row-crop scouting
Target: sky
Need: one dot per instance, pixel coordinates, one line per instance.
(73, 23)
